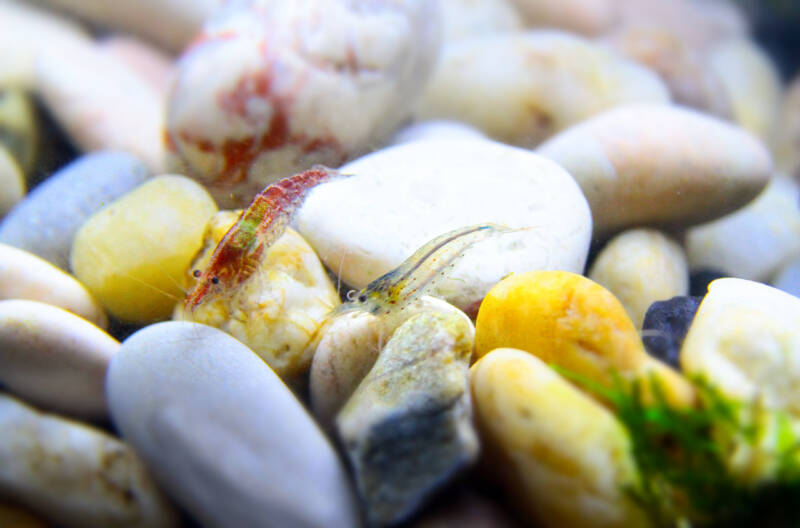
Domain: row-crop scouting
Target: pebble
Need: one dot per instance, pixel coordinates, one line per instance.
(641, 266)
(75, 475)
(148, 62)
(18, 127)
(271, 88)
(521, 88)
(133, 253)
(278, 309)
(26, 276)
(564, 459)
(45, 222)
(171, 23)
(752, 84)
(755, 241)
(568, 320)
(744, 340)
(435, 129)
(12, 181)
(101, 103)
(401, 197)
(578, 16)
(467, 18)
(788, 138)
(788, 278)
(665, 326)
(53, 358)
(631, 162)
(193, 401)
(407, 428)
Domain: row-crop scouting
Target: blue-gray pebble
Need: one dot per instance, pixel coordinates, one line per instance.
(46, 221)
(665, 326)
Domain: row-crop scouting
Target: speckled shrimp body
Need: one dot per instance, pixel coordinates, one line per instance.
(239, 252)
(419, 274)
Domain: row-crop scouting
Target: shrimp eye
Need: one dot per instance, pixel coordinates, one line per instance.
(362, 298)
(215, 280)
(196, 273)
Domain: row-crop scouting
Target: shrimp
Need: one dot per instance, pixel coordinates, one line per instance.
(420, 273)
(239, 253)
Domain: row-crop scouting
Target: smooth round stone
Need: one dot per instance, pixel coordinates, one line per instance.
(12, 182)
(658, 164)
(563, 458)
(18, 128)
(467, 18)
(435, 129)
(278, 309)
(639, 267)
(74, 475)
(568, 320)
(53, 358)
(269, 88)
(83, 94)
(752, 84)
(401, 197)
(579, 16)
(788, 278)
(193, 401)
(745, 340)
(23, 275)
(45, 223)
(665, 326)
(756, 240)
(521, 88)
(133, 253)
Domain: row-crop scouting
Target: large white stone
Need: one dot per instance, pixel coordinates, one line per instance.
(223, 434)
(402, 197)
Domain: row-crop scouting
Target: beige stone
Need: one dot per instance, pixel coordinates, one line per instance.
(639, 267)
(53, 358)
(521, 88)
(660, 165)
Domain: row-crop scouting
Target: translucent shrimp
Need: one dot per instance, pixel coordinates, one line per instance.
(239, 252)
(420, 273)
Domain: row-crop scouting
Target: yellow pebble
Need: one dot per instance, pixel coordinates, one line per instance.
(565, 459)
(568, 320)
(132, 254)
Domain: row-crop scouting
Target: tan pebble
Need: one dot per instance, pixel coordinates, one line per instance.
(74, 475)
(12, 182)
(657, 164)
(639, 267)
(565, 459)
(23, 275)
(53, 358)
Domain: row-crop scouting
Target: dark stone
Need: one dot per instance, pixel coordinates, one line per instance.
(700, 279)
(665, 326)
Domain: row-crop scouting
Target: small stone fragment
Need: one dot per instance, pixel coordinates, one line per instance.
(26, 276)
(665, 326)
(639, 267)
(563, 458)
(53, 358)
(45, 222)
(18, 127)
(74, 475)
(278, 309)
(223, 435)
(631, 163)
(570, 321)
(132, 254)
(12, 182)
(407, 429)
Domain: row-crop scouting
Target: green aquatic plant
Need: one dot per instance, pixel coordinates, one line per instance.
(720, 463)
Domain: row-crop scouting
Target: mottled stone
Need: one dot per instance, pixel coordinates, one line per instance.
(407, 429)
(631, 162)
(277, 310)
(74, 475)
(521, 88)
(53, 358)
(665, 326)
(563, 458)
(222, 434)
(45, 222)
(133, 253)
(641, 266)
